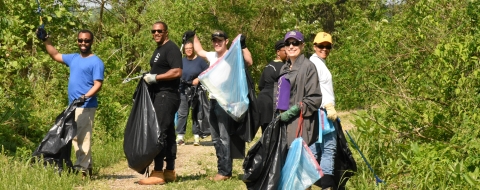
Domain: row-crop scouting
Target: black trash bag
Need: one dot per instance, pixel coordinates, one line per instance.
(249, 126)
(55, 148)
(264, 161)
(201, 111)
(141, 139)
(237, 147)
(345, 166)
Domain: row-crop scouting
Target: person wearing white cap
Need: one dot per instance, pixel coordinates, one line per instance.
(325, 150)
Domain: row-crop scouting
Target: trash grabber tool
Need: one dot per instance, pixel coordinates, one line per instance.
(377, 179)
(183, 42)
(129, 79)
(39, 11)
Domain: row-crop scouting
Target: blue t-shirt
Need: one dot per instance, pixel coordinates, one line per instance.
(192, 68)
(83, 71)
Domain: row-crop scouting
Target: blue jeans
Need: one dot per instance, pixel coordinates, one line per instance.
(221, 127)
(183, 115)
(327, 149)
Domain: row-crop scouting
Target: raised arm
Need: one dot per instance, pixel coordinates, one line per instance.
(53, 52)
(198, 47)
(247, 57)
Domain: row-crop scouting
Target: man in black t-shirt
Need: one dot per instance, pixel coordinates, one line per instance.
(268, 79)
(163, 80)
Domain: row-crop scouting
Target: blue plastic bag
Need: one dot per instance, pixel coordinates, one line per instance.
(175, 120)
(301, 169)
(325, 125)
(226, 81)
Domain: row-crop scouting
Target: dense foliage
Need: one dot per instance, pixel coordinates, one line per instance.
(412, 66)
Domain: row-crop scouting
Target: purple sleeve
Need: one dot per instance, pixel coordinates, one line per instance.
(283, 97)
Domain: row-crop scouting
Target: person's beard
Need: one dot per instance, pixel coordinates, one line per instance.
(86, 50)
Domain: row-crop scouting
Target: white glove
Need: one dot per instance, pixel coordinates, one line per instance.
(150, 78)
(331, 112)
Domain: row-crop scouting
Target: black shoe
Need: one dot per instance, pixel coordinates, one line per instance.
(327, 182)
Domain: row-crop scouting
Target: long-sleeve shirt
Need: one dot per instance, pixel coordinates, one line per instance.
(325, 79)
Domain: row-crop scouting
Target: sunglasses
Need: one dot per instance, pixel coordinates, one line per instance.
(322, 46)
(294, 43)
(84, 40)
(159, 31)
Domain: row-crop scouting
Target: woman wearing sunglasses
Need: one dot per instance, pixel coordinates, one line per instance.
(325, 150)
(298, 89)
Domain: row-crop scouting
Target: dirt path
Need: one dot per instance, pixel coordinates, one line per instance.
(189, 159)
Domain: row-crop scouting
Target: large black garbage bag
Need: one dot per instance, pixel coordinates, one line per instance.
(201, 111)
(249, 126)
(141, 139)
(345, 165)
(264, 161)
(56, 146)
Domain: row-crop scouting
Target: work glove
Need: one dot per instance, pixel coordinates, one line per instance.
(42, 34)
(331, 112)
(290, 113)
(150, 78)
(242, 41)
(187, 35)
(83, 98)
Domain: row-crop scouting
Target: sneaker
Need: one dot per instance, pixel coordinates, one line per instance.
(180, 142)
(196, 141)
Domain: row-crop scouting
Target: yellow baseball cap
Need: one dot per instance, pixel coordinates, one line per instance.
(322, 37)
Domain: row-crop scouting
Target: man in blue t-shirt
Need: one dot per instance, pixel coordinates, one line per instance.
(193, 65)
(85, 81)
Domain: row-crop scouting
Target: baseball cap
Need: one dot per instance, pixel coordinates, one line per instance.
(218, 34)
(279, 44)
(294, 34)
(322, 37)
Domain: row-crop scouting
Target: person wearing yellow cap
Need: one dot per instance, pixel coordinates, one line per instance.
(325, 150)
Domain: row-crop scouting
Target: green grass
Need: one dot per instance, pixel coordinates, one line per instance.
(402, 164)
(18, 173)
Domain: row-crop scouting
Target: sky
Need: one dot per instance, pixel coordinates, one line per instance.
(88, 3)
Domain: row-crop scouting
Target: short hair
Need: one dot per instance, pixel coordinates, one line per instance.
(86, 31)
(163, 24)
(188, 42)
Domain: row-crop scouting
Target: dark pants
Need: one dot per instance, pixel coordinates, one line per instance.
(183, 115)
(221, 128)
(166, 105)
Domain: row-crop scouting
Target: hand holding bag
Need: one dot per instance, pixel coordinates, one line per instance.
(301, 169)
